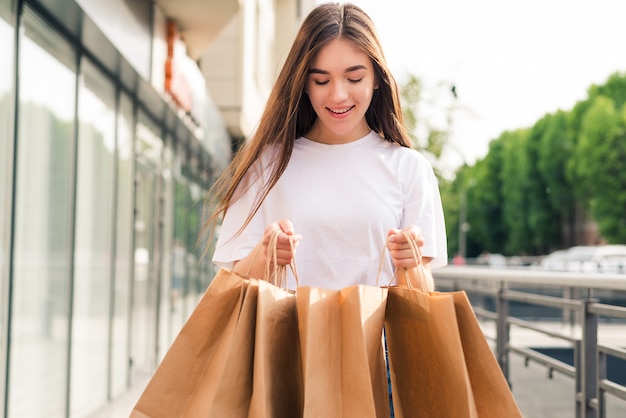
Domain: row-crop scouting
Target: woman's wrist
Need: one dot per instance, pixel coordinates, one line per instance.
(252, 265)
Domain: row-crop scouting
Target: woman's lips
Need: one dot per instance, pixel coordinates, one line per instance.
(339, 113)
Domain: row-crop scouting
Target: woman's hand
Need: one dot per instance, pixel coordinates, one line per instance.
(400, 249)
(418, 269)
(286, 242)
(253, 265)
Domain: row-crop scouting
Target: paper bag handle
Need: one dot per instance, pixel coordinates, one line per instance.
(278, 276)
(417, 256)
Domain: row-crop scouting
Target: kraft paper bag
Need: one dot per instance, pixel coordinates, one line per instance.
(277, 373)
(440, 362)
(228, 394)
(342, 353)
(428, 372)
(184, 385)
(492, 394)
(237, 355)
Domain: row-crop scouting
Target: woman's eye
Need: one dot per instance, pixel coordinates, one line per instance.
(320, 83)
(355, 80)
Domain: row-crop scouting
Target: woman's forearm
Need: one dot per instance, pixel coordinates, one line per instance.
(253, 265)
(420, 277)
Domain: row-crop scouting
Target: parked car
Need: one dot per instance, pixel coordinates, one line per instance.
(554, 261)
(588, 259)
(613, 260)
(491, 260)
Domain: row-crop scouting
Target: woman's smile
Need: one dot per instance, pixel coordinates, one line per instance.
(340, 112)
(340, 86)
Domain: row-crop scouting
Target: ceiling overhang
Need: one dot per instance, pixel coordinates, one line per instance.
(199, 21)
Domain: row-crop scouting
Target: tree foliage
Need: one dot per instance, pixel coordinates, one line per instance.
(601, 157)
(546, 186)
(430, 133)
(486, 216)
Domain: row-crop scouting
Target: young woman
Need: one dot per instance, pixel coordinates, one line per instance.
(331, 166)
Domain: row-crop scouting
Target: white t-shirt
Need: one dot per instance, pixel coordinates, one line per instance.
(343, 199)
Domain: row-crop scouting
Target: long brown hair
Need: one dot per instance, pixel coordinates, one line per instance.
(289, 114)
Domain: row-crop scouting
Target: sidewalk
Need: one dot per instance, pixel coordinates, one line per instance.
(122, 406)
(537, 394)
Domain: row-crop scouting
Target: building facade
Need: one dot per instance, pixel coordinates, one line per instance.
(115, 118)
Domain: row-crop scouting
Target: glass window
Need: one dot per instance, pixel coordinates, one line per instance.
(43, 222)
(179, 250)
(93, 242)
(144, 338)
(123, 248)
(188, 205)
(169, 263)
(193, 225)
(7, 40)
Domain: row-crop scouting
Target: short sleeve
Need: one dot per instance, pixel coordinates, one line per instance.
(423, 208)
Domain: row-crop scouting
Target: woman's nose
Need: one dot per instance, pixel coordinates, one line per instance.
(339, 92)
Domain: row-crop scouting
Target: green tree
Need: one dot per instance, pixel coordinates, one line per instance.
(541, 188)
(484, 204)
(451, 205)
(614, 87)
(428, 133)
(542, 216)
(553, 155)
(600, 156)
(515, 191)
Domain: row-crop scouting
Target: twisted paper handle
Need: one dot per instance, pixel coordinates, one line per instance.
(274, 273)
(417, 256)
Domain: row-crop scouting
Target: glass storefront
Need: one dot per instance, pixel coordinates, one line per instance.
(187, 265)
(44, 215)
(180, 251)
(7, 100)
(93, 241)
(149, 149)
(120, 322)
(95, 206)
(167, 293)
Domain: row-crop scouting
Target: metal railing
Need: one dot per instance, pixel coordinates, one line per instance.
(578, 304)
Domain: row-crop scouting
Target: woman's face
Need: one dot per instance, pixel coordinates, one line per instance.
(340, 85)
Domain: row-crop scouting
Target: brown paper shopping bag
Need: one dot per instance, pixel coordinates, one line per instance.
(429, 376)
(440, 362)
(342, 353)
(492, 394)
(226, 392)
(277, 373)
(237, 356)
(184, 385)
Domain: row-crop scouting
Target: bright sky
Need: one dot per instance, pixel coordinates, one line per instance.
(511, 61)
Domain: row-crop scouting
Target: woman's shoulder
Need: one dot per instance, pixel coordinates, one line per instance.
(408, 154)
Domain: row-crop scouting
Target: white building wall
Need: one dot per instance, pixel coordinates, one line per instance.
(127, 25)
(258, 62)
(241, 65)
(221, 66)
(159, 49)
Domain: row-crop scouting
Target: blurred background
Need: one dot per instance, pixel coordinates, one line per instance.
(116, 116)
